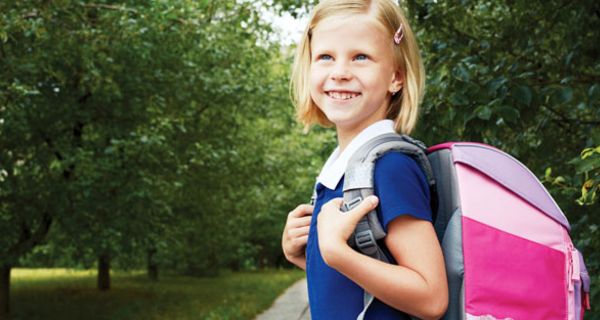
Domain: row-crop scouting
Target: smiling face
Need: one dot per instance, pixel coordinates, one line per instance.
(352, 72)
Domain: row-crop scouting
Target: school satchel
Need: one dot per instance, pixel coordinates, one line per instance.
(505, 241)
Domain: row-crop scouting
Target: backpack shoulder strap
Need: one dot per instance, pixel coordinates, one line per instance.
(359, 184)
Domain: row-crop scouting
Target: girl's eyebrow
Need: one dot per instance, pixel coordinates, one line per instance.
(321, 51)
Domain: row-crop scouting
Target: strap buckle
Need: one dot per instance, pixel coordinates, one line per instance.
(366, 242)
(352, 203)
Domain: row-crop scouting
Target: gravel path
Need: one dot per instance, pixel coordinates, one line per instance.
(292, 304)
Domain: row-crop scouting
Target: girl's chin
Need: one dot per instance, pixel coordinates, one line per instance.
(340, 116)
(342, 121)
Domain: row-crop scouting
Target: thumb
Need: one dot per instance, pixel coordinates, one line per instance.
(368, 204)
(335, 202)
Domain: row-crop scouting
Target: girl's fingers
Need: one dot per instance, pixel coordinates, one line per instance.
(299, 232)
(333, 203)
(299, 222)
(301, 211)
(368, 204)
(302, 240)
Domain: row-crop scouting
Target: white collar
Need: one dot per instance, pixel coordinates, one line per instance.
(334, 168)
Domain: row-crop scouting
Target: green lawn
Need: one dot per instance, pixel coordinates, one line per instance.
(71, 294)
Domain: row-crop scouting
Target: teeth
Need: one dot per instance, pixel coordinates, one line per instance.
(342, 95)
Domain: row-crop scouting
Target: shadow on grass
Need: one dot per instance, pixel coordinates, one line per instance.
(69, 294)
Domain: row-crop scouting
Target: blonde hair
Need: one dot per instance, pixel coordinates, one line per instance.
(404, 106)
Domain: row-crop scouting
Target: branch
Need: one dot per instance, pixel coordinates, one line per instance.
(66, 172)
(108, 7)
(49, 143)
(29, 240)
(565, 119)
(30, 15)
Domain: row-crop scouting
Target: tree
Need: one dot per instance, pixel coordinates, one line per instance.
(106, 108)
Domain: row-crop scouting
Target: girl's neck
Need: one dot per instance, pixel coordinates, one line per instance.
(346, 132)
(346, 135)
(344, 139)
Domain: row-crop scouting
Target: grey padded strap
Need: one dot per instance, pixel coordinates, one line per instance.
(359, 184)
(367, 300)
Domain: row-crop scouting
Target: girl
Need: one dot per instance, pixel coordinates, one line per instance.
(358, 68)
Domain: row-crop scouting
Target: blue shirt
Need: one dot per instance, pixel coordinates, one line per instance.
(402, 189)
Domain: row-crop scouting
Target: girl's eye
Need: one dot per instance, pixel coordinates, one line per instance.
(361, 57)
(324, 57)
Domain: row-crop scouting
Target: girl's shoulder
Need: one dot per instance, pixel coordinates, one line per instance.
(397, 163)
(401, 187)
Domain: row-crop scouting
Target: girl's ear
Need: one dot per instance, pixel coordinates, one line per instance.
(397, 81)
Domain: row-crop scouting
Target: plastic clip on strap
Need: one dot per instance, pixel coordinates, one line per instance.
(365, 241)
(352, 204)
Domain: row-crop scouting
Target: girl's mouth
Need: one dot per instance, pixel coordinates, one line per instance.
(342, 95)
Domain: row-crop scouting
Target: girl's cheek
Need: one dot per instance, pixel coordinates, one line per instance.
(316, 83)
(316, 74)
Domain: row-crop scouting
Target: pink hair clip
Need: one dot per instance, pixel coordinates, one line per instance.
(399, 35)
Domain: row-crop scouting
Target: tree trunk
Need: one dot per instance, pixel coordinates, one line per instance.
(104, 272)
(152, 265)
(4, 292)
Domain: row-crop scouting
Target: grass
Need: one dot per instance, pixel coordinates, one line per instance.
(72, 294)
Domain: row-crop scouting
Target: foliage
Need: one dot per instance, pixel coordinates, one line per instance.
(137, 121)
(588, 166)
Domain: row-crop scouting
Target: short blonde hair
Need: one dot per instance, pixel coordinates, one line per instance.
(404, 106)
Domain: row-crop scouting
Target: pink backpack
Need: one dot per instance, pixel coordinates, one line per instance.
(505, 241)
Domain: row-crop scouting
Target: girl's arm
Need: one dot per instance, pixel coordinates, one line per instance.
(417, 285)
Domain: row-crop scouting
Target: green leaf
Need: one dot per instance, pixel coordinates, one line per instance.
(594, 92)
(548, 172)
(484, 112)
(458, 99)
(588, 165)
(509, 114)
(462, 73)
(566, 95)
(588, 152)
(522, 95)
(569, 58)
(493, 85)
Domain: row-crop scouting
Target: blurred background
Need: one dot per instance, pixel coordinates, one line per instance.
(149, 153)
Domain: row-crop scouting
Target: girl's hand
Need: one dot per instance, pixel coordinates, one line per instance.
(295, 234)
(334, 227)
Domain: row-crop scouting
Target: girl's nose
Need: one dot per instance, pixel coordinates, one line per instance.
(341, 72)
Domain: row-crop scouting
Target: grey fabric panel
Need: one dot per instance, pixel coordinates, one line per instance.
(453, 256)
(447, 189)
(448, 226)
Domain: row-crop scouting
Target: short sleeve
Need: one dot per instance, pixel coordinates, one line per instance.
(402, 188)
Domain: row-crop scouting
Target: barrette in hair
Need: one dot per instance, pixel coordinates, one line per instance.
(399, 35)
